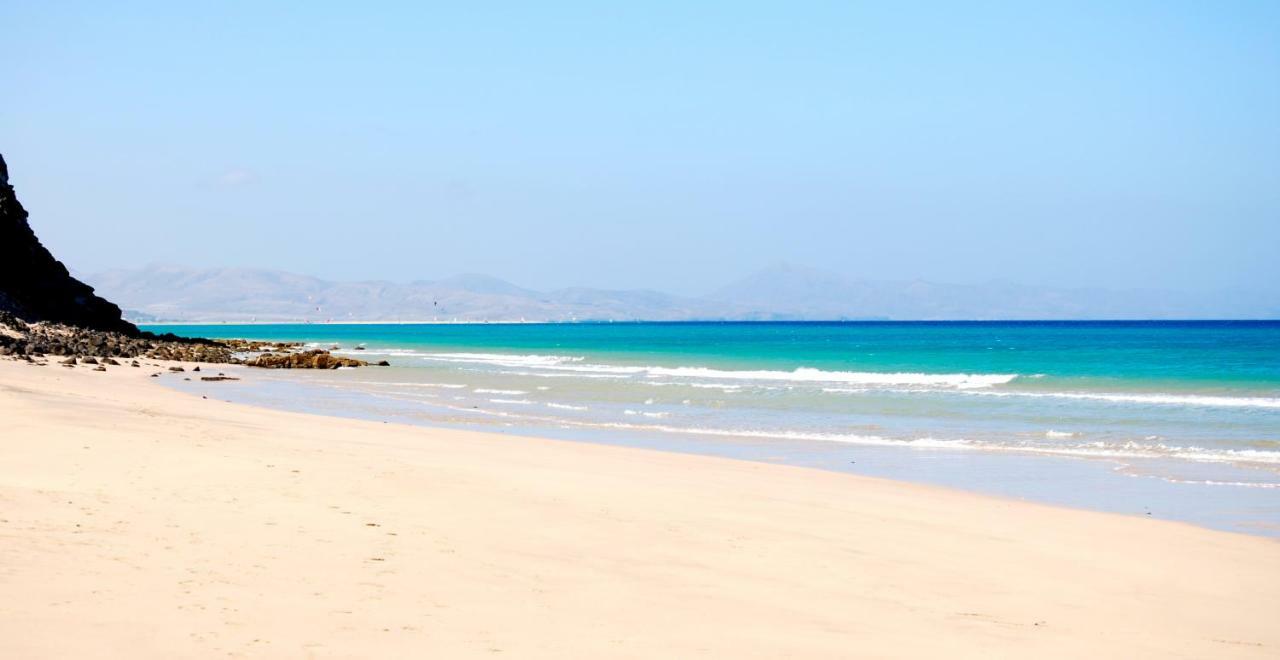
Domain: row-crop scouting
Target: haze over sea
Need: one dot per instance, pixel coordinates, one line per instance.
(1174, 419)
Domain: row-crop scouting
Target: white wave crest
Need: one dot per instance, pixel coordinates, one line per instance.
(1152, 399)
(802, 374)
(810, 375)
(1158, 399)
(656, 415)
(503, 359)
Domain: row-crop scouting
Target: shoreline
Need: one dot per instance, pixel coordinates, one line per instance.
(227, 528)
(1120, 487)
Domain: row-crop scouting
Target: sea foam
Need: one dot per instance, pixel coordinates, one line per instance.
(567, 363)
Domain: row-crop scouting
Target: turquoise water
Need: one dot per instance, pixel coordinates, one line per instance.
(1185, 412)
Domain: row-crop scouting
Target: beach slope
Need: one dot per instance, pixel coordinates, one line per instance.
(137, 521)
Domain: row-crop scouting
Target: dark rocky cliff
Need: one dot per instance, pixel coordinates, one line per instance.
(36, 287)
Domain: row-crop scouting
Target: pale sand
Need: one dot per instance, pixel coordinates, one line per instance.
(140, 522)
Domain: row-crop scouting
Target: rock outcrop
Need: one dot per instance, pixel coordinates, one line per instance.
(314, 359)
(257, 346)
(19, 338)
(36, 287)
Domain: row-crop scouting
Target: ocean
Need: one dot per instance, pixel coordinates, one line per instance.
(1179, 420)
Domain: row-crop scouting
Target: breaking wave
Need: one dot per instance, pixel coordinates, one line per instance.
(577, 364)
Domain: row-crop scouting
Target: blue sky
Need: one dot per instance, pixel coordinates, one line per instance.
(666, 145)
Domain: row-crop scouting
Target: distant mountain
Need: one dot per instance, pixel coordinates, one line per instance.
(244, 294)
(783, 292)
(793, 292)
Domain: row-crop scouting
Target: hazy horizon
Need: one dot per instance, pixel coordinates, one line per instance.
(714, 286)
(662, 146)
(780, 292)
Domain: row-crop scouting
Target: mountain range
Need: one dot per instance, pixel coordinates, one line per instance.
(781, 292)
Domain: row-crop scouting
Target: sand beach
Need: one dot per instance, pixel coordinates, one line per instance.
(137, 521)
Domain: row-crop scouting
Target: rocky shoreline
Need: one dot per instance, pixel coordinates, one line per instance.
(28, 341)
(313, 359)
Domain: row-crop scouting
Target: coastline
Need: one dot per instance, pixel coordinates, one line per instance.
(1067, 414)
(144, 521)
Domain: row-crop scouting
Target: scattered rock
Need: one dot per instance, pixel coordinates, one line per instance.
(89, 360)
(69, 361)
(99, 368)
(383, 363)
(195, 368)
(217, 378)
(176, 369)
(110, 361)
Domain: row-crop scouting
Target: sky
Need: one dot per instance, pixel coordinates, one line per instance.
(667, 145)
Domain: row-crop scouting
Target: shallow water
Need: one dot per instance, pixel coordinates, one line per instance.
(1181, 420)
